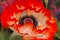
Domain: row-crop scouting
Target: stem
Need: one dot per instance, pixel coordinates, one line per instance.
(57, 36)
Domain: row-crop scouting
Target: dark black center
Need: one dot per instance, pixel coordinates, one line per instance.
(26, 18)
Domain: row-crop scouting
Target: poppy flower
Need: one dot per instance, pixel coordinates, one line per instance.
(29, 19)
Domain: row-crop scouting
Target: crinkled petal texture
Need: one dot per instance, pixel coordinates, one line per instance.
(46, 27)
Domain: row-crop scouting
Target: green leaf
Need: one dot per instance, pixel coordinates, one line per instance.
(15, 36)
(58, 23)
(1, 36)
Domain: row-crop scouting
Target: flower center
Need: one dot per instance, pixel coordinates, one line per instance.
(28, 19)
